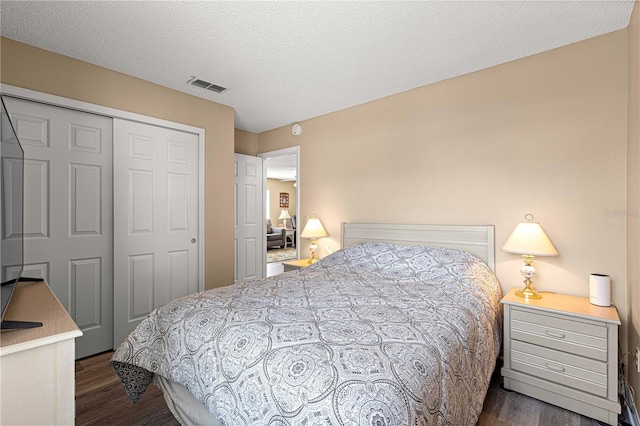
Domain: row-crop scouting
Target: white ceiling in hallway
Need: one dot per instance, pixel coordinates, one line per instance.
(285, 62)
(282, 167)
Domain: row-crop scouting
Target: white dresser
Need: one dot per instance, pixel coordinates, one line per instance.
(37, 365)
(564, 351)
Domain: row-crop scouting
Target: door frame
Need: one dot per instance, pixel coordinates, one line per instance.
(265, 156)
(59, 101)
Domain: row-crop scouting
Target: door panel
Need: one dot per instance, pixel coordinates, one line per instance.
(249, 222)
(68, 212)
(156, 220)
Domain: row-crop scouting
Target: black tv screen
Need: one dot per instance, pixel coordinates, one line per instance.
(11, 212)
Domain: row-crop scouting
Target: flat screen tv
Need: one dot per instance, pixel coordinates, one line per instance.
(11, 217)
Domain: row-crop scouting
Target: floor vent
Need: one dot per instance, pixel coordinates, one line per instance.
(195, 81)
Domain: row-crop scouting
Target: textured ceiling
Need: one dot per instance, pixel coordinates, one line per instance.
(289, 61)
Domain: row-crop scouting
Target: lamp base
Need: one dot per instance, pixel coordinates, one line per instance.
(528, 293)
(528, 271)
(312, 250)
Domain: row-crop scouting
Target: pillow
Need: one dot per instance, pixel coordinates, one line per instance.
(269, 229)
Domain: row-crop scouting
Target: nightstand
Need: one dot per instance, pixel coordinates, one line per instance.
(564, 351)
(292, 265)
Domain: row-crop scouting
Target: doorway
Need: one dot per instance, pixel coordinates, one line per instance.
(281, 208)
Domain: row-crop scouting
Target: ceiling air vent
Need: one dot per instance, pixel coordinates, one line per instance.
(195, 81)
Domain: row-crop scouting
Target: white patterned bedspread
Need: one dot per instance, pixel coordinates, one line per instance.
(375, 334)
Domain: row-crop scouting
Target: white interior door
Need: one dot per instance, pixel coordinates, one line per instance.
(249, 229)
(68, 212)
(155, 220)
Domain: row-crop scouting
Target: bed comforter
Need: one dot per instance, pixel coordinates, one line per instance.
(374, 334)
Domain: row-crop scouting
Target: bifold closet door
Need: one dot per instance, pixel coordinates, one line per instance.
(68, 212)
(156, 209)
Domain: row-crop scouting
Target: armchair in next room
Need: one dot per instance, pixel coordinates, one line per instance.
(276, 237)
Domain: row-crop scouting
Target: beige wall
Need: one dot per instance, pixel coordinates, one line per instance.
(545, 135)
(633, 201)
(28, 67)
(245, 142)
(275, 187)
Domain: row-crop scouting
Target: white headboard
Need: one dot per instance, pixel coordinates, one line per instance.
(478, 240)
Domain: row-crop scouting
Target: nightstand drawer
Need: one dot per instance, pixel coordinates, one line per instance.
(582, 338)
(570, 370)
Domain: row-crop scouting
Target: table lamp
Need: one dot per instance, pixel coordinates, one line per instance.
(313, 229)
(529, 240)
(284, 215)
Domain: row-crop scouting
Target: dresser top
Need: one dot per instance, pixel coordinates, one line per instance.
(34, 301)
(570, 305)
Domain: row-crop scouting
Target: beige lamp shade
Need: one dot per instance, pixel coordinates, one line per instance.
(284, 214)
(529, 239)
(313, 229)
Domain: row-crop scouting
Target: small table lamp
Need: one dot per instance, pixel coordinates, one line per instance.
(284, 215)
(529, 240)
(313, 229)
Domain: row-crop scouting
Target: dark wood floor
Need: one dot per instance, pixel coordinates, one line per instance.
(101, 400)
(502, 408)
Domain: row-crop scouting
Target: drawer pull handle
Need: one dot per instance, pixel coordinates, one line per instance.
(554, 368)
(554, 334)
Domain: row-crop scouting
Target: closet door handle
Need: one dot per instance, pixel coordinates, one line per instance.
(555, 368)
(554, 334)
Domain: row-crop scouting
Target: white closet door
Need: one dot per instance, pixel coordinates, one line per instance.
(155, 220)
(68, 212)
(249, 218)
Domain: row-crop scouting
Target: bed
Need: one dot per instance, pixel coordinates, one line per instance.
(400, 327)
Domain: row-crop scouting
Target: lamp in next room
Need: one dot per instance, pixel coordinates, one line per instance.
(313, 229)
(529, 240)
(284, 215)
